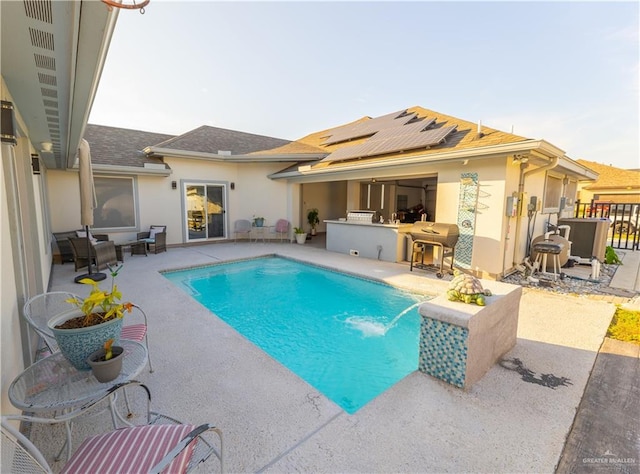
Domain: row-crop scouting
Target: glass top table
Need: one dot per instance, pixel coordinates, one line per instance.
(53, 384)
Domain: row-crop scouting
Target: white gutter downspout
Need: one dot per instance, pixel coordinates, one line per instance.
(523, 174)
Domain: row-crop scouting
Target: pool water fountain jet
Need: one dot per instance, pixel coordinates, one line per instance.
(370, 327)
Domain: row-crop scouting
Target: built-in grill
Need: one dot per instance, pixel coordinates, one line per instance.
(433, 234)
(361, 216)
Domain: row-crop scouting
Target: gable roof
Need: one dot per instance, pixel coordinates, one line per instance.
(206, 139)
(611, 177)
(114, 146)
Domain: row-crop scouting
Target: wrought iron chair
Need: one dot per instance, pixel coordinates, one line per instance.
(282, 229)
(242, 226)
(162, 443)
(40, 308)
(155, 238)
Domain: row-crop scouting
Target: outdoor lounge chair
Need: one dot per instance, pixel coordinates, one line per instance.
(155, 238)
(64, 246)
(101, 253)
(282, 229)
(242, 226)
(40, 308)
(162, 443)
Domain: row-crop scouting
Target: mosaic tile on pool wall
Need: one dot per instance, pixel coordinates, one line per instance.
(443, 351)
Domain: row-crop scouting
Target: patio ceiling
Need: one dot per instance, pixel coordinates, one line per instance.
(52, 56)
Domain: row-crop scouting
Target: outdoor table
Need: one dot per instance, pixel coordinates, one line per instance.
(54, 385)
(138, 247)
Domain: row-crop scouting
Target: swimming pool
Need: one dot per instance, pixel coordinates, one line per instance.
(351, 338)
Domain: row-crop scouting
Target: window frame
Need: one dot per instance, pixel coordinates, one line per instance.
(131, 209)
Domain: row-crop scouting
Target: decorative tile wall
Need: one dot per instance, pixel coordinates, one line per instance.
(443, 351)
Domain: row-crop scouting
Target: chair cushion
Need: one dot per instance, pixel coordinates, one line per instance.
(83, 234)
(153, 230)
(133, 332)
(136, 449)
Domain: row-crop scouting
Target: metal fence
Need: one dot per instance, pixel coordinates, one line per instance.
(624, 230)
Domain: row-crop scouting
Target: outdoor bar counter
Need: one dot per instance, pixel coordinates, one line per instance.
(370, 240)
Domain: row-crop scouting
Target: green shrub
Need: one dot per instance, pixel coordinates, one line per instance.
(625, 326)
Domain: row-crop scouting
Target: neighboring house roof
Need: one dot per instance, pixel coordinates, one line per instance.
(213, 140)
(114, 146)
(611, 177)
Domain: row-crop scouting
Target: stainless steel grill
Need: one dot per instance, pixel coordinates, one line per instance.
(433, 234)
(361, 216)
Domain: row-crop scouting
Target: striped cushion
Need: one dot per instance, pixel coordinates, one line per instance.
(131, 450)
(134, 332)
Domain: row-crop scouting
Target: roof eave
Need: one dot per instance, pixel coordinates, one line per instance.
(251, 158)
(129, 170)
(542, 147)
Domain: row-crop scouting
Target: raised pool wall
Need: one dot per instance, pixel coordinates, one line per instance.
(460, 342)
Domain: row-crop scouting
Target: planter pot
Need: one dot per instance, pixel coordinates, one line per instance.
(106, 370)
(313, 231)
(258, 221)
(77, 344)
(301, 238)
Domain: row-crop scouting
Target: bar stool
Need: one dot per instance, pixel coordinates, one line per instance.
(544, 248)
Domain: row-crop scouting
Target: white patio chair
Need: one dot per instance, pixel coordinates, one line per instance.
(162, 443)
(242, 226)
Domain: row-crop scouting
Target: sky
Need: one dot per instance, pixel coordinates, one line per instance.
(565, 72)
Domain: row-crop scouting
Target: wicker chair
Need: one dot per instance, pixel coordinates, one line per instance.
(155, 238)
(64, 246)
(101, 253)
(162, 443)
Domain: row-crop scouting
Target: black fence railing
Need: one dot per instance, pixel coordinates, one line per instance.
(624, 218)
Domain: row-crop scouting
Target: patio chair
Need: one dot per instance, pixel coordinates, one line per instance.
(162, 443)
(242, 226)
(64, 246)
(100, 253)
(282, 229)
(155, 238)
(40, 308)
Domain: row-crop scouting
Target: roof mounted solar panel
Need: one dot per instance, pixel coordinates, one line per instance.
(368, 127)
(384, 143)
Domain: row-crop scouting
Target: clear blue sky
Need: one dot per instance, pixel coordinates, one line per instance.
(566, 72)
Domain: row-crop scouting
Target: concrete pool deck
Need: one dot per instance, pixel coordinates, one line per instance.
(275, 422)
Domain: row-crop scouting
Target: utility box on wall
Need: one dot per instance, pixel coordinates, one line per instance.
(588, 237)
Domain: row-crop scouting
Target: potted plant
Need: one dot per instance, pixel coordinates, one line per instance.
(301, 235)
(313, 219)
(106, 363)
(258, 221)
(83, 329)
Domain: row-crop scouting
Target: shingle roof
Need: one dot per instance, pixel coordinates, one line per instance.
(120, 146)
(611, 177)
(207, 139)
(464, 137)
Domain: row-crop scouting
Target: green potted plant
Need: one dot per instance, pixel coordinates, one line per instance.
(301, 235)
(313, 219)
(258, 221)
(82, 330)
(106, 363)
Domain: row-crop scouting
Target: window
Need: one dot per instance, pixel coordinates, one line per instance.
(116, 203)
(552, 194)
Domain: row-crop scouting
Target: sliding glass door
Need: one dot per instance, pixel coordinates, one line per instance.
(205, 209)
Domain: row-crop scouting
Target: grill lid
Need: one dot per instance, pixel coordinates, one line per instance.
(445, 234)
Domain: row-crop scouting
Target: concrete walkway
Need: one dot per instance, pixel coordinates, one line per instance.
(275, 422)
(605, 436)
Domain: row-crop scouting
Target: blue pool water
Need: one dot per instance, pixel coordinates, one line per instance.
(350, 338)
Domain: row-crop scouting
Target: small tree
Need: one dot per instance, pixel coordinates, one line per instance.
(313, 219)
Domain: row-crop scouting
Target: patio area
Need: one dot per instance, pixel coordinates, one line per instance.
(275, 422)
